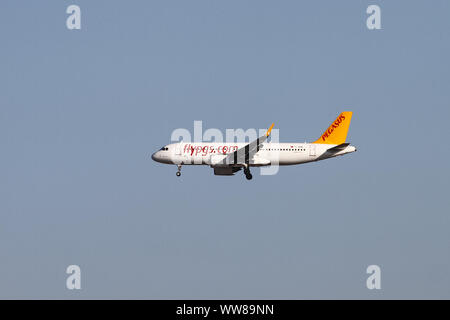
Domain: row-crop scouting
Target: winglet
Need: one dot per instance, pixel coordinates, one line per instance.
(270, 129)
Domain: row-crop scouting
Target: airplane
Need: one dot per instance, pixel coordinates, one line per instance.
(228, 158)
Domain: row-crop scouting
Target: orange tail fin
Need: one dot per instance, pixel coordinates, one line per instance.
(337, 131)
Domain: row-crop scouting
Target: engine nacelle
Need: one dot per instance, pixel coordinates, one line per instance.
(226, 171)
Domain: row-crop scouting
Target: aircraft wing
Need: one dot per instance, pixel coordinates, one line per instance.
(246, 153)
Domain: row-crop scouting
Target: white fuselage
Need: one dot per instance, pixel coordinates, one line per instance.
(201, 153)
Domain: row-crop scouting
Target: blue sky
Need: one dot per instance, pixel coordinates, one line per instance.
(82, 110)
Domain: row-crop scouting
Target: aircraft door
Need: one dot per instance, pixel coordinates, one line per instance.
(178, 149)
(179, 154)
(312, 150)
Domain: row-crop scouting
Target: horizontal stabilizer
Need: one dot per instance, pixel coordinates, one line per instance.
(332, 152)
(339, 147)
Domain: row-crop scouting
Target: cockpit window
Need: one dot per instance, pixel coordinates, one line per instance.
(164, 149)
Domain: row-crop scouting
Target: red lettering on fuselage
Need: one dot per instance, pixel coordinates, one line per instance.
(205, 150)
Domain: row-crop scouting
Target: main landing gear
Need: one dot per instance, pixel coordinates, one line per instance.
(179, 170)
(247, 173)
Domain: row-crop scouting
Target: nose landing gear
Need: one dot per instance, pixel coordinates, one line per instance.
(179, 170)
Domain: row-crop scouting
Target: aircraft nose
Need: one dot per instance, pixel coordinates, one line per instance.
(154, 156)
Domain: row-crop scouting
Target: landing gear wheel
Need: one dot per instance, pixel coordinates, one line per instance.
(178, 173)
(179, 170)
(247, 173)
